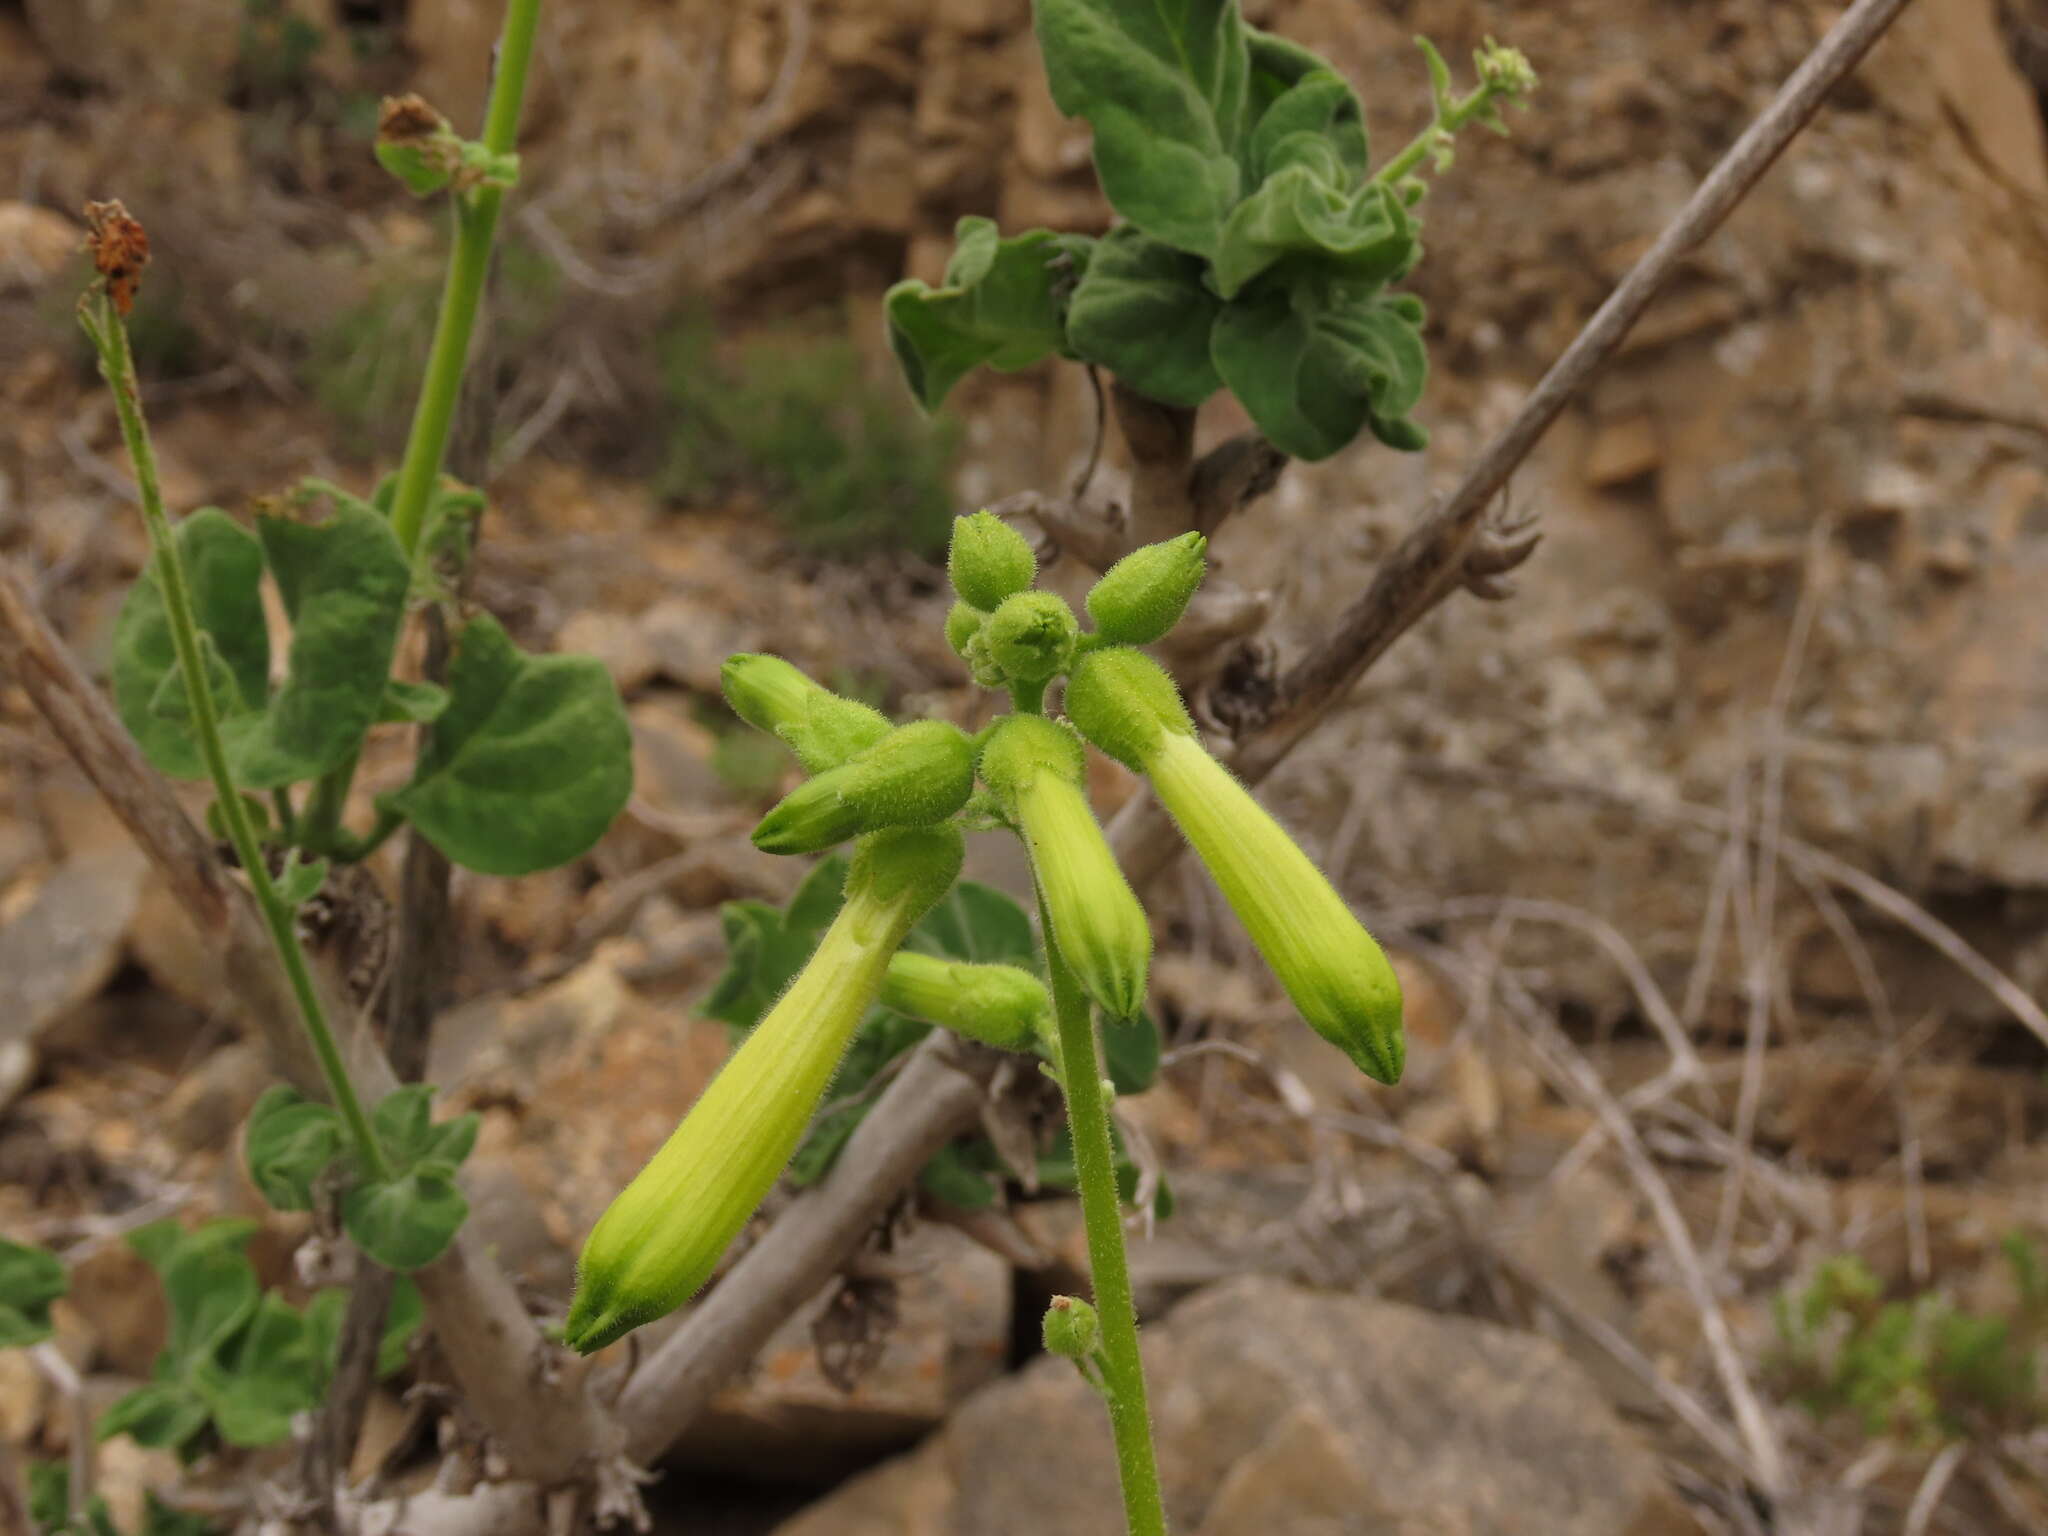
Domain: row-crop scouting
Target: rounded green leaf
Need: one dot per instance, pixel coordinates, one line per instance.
(1144, 311)
(290, 1143)
(530, 762)
(30, 1279)
(406, 1222)
(162, 1416)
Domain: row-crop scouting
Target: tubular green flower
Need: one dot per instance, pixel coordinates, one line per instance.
(823, 729)
(989, 560)
(661, 1238)
(1036, 770)
(916, 775)
(998, 1005)
(1338, 977)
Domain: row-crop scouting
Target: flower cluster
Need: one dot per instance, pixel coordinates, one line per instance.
(901, 793)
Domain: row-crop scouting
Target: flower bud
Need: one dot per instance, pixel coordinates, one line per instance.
(823, 729)
(1072, 1329)
(989, 560)
(664, 1234)
(998, 1005)
(1124, 702)
(1143, 595)
(1036, 770)
(916, 775)
(1031, 636)
(1336, 975)
(963, 623)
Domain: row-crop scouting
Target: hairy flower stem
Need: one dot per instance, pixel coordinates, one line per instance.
(469, 264)
(1123, 1372)
(117, 365)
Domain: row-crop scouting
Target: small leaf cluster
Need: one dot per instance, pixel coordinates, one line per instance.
(1919, 1369)
(49, 1510)
(30, 1280)
(239, 1361)
(1257, 248)
(531, 756)
(975, 924)
(297, 1155)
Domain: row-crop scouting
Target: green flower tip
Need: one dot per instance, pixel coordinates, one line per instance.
(1124, 702)
(989, 560)
(999, 1005)
(1031, 636)
(1072, 1329)
(1143, 595)
(1506, 70)
(916, 775)
(659, 1241)
(823, 729)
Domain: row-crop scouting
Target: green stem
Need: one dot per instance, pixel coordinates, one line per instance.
(469, 264)
(319, 829)
(476, 223)
(1028, 698)
(117, 363)
(1444, 122)
(1109, 1271)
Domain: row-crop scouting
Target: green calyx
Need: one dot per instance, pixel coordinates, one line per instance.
(998, 1005)
(823, 729)
(1141, 597)
(659, 1241)
(989, 560)
(914, 776)
(1031, 636)
(1124, 702)
(1036, 770)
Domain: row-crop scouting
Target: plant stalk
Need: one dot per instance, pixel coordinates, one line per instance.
(1130, 1419)
(1441, 123)
(117, 364)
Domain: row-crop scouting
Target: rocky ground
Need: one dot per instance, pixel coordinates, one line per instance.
(1748, 780)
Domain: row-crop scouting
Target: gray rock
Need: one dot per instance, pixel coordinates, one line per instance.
(1284, 1409)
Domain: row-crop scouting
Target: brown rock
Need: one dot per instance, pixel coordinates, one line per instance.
(61, 949)
(1263, 1393)
(35, 245)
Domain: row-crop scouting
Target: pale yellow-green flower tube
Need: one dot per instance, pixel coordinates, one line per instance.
(664, 1234)
(1036, 770)
(1333, 970)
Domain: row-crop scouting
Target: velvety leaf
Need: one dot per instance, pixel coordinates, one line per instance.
(1163, 84)
(161, 1519)
(411, 703)
(977, 923)
(269, 1374)
(406, 1222)
(1317, 359)
(209, 1285)
(819, 897)
(162, 1415)
(1131, 1050)
(30, 1279)
(1322, 104)
(224, 564)
(530, 762)
(766, 946)
(1277, 65)
(409, 1134)
(1144, 312)
(290, 1143)
(344, 584)
(1002, 304)
(328, 1309)
(953, 1176)
(1364, 236)
(299, 881)
(173, 699)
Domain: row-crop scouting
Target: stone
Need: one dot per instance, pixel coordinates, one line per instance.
(785, 1421)
(690, 641)
(60, 950)
(35, 245)
(1279, 1408)
(1622, 451)
(614, 639)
